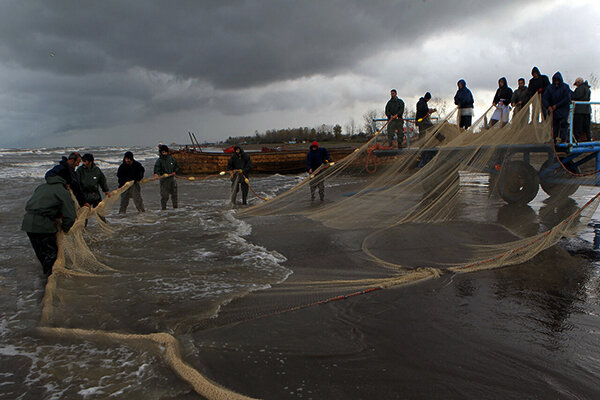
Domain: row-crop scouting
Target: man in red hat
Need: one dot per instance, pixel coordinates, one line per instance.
(314, 159)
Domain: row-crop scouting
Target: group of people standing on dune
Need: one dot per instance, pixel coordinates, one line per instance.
(556, 99)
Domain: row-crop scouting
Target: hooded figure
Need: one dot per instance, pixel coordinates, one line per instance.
(49, 208)
(239, 166)
(582, 112)
(131, 170)
(538, 83)
(166, 164)
(90, 178)
(464, 100)
(423, 112)
(501, 102)
(316, 157)
(556, 99)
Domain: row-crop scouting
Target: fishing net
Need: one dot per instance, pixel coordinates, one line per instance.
(395, 216)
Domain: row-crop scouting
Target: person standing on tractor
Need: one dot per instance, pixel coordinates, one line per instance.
(556, 99)
(422, 116)
(394, 111)
(464, 100)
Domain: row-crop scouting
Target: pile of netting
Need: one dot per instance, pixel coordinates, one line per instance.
(421, 194)
(422, 212)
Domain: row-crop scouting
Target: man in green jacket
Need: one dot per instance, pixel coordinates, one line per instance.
(166, 164)
(50, 205)
(90, 178)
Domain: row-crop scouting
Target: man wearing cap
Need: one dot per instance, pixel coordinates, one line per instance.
(239, 166)
(166, 164)
(394, 110)
(582, 112)
(49, 208)
(90, 178)
(131, 170)
(66, 169)
(423, 112)
(314, 159)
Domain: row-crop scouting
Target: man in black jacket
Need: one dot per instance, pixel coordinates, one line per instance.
(394, 110)
(239, 167)
(131, 170)
(423, 112)
(501, 102)
(66, 169)
(538, 83)
(582, 112)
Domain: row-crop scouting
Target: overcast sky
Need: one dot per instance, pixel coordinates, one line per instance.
(76, 73)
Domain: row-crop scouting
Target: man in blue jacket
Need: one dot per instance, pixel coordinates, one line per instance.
(464, 100)
(556, 99)
(314, 159)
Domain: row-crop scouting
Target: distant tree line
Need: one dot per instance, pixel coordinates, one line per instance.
(322, 133)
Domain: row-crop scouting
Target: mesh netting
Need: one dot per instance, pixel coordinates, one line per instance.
(404, 216)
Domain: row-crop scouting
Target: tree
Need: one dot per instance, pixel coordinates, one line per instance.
(368, 118)
(337, 132)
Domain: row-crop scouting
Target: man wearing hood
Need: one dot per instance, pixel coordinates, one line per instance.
(423, 112)
(464, 100)
(239, 167)
(131, 170)
(166, 164)
(66, 169)
(582, 112)
(49, 208)
(538, 83)
(501, 102)
(394, 110)
(314, 159)
(556, 99)
(90, 178)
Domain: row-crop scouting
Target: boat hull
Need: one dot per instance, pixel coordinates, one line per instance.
(281, 162)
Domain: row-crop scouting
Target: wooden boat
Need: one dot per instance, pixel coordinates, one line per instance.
(263, 162)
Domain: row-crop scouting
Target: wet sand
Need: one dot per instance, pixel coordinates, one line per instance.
(519, 332)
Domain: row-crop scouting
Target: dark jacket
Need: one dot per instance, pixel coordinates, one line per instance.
(503, 94)
(463, 97)
(395, 106)
(50, 201)
(538, 84)
(422, 109)
(582, 93)
(242, 162)
(133, 172)
(520, 94)
(89, 180)
(315, 158)
(64, 170)
(165, 165)
(558, 95)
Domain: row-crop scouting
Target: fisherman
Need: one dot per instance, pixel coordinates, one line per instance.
(501, 102)
(556, 99)
(90, 178)
(166, 164)
(422, 116)
(66, 169)
(131, 170)
(239, 167)
(582, 112)
(464, 100)
(49, 208)
(519, 98)
(394, 110)
(538, 83)
(314, 159)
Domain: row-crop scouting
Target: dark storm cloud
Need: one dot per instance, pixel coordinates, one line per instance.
(228, 44)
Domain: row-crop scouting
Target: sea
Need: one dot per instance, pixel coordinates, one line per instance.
(176, 267)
